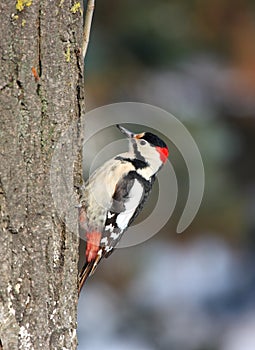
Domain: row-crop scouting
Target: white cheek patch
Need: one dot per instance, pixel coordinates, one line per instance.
(134, 198)
(154, 163)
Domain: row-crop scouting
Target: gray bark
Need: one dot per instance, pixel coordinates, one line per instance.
(41, 95)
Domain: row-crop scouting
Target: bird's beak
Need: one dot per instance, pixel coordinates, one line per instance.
(124, 131)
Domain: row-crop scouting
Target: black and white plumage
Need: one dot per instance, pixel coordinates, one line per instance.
(115, 194)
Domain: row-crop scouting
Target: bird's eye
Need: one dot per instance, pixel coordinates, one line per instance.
(143, 142)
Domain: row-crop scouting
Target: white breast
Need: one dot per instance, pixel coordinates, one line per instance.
(102, 184)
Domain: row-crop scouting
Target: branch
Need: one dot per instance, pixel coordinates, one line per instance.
(87, 26)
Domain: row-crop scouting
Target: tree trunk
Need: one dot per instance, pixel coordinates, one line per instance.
(41, 95)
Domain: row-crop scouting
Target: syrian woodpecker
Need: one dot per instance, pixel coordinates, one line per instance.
(114, 195)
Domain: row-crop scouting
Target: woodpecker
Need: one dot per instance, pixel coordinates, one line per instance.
(115, 194)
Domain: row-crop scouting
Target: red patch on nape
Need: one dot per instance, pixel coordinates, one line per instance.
(93, 243)
(163, 151)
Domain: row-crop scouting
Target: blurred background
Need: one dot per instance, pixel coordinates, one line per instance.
(194, 291)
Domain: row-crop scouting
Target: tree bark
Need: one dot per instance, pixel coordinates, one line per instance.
(41, 86)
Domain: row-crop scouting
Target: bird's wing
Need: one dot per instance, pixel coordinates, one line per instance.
(126, 198)
(100, 189)
(128, 195)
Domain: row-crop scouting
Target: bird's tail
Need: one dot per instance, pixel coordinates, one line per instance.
(84, 274)
(87, 270)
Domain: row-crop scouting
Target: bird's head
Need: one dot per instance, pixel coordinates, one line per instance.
(147, 147)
